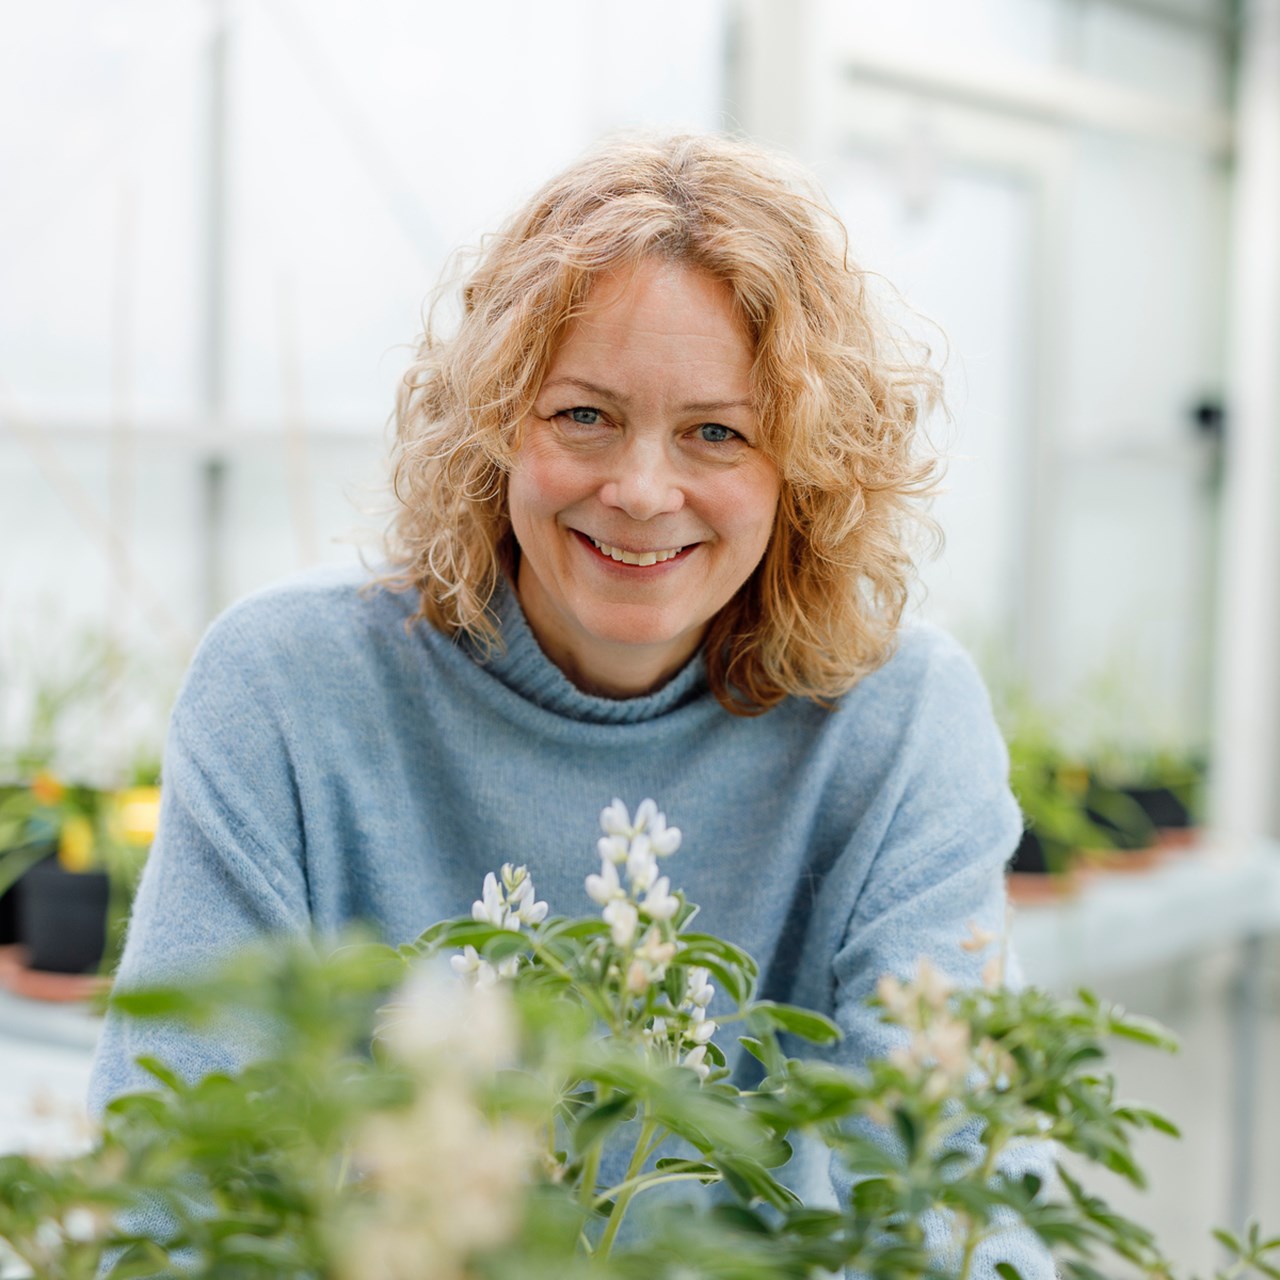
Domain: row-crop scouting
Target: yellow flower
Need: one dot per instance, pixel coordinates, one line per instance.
(137, 813)
(1073, 778)
(47, 789)
(75, 844)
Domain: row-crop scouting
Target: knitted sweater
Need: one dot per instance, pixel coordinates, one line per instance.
(325, 764)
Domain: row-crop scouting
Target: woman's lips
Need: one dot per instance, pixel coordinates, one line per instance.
(631, 558)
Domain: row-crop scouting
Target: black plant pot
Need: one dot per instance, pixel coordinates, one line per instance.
(1161, 805)
(10, 912)
(9, 915)
(63, 918)
(1029, 857)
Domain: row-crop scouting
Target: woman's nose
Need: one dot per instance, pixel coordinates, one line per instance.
(644, 482)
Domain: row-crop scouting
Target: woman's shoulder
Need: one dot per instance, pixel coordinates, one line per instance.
(316, 617)
(927, 666)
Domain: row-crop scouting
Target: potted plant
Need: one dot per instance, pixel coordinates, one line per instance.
(74, 852)
(511, 1120)
(1165, 785)
(1054, 792)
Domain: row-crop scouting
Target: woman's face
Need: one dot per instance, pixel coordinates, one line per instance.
(640, 497)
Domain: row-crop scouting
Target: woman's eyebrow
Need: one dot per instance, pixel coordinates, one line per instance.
(617, 397)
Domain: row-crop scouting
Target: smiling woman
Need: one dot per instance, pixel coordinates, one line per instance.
(720, 277)
(656, 497)
(636, 519)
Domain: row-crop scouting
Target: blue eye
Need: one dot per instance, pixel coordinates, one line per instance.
(714, 433)
(583, 416)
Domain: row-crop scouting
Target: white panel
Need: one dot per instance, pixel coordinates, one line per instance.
(1025, 29)
(97, 224)
(1140, 49)
(370, 142)
(1142, 259)
(962, 259)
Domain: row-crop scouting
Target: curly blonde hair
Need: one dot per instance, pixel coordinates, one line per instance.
(839, 399)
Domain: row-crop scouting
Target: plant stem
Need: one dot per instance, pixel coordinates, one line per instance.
(646, 1180)
(641, 1154)
(974, 1237)
(552, 962)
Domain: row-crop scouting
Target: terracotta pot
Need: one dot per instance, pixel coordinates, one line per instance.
(1029, 887)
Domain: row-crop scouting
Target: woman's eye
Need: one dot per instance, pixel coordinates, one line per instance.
(583, 416)
(714, 433)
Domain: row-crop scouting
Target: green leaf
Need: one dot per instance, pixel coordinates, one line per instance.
(766, 1014)
(669, 1164)
(594, 1125)
(1229, 1241)
(165, 1074)
(1147, 1118)
(576, 930)
(1007, 1271)
(752, 1181)
(905, 1124)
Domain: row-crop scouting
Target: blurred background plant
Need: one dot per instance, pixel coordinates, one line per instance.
(79, 798)
(1092, 784)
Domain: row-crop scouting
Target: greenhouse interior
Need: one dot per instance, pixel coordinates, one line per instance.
(1011, 268)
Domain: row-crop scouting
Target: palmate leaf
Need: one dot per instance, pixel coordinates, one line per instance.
(766, 1015)
(734, 969)
(752, 1181)
(765, 1052)
(593, 1125)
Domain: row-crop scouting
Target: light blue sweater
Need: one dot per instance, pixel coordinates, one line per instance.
(324, 765)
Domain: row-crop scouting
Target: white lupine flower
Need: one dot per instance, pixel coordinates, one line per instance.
(471, 964)
(81, 1224)
(492, 908)
(449, 1179)
(695, 1058)
(645, 814)
(699, 990)
(622, 917)
(639, 976)
(509, 904)
(655, 952)
(615, 820)
(701, 1031)
(534, 912)
(520, 895)
(605, 887)
(933, 985)
(642, 866)
(664, 840)
(435, 1024)
(659, 903)
(613, 848)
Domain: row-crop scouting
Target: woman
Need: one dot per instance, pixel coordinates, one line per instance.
(655, 501)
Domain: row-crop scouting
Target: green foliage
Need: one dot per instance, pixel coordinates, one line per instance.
(399, 1121)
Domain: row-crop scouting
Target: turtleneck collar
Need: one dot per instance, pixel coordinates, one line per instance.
(523, 667)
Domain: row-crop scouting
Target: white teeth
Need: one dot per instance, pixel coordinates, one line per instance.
(635, 557)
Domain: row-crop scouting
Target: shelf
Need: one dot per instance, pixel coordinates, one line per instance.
(1122, 922)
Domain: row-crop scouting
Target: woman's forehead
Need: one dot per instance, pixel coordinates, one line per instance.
(660, 320)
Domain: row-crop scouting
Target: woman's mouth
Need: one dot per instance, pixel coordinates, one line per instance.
(643, 558)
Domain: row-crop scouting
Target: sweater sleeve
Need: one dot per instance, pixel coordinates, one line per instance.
(227, 863)
(950, 824)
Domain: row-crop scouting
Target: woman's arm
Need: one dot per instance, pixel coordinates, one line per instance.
(227, 865)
